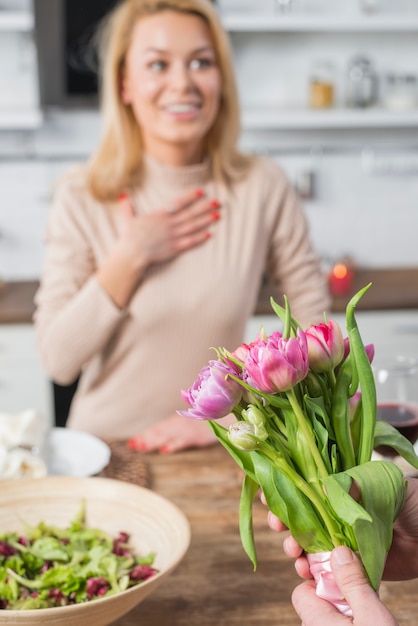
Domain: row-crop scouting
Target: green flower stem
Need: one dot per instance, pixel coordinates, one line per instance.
(322, 470)
(330, 524)
(331, 378)
(340, 415)
(272, 415)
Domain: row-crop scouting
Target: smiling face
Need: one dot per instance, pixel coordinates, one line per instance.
(173, 84)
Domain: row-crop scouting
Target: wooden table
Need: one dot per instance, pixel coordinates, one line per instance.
(215, 585)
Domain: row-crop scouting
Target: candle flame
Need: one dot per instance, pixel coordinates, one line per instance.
(340, 270)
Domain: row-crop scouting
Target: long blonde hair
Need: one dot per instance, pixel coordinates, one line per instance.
(116, 164)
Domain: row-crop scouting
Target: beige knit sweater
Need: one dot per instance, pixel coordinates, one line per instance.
(135, 361)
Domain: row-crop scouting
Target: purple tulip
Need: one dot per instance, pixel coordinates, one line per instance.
(214, 394)
(277, 364)
(325, 346)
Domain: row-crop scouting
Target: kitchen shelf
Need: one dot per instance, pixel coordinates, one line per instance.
(261, 22)
(22, 21)
(21, 120)
(282, 119)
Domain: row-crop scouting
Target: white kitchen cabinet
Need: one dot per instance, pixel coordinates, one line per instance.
(256, 22)
(16, 21)
(23, 383)
(26, 187)
(19, 91)
(259, 118)
(274, 54)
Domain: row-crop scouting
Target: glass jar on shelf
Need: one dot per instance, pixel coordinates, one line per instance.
(361, 83)
(322, 85)
(400, 92)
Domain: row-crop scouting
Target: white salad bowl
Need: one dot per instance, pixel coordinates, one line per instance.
(153, 523)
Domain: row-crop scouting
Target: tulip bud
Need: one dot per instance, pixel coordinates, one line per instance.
(325, 346)
(256, 418)
(242, 436)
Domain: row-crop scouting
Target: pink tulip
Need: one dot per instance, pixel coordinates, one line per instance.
(369, 348)
(242, 350)
(214, 394)
(325, 346)
(277, 364)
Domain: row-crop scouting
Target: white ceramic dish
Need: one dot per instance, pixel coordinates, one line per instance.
(75, 453)
(154, 524)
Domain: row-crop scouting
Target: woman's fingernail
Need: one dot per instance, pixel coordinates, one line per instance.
(199, 193)
(164, 450)
(215, 215)
(215, 204)
(342, 555)
(122, 196)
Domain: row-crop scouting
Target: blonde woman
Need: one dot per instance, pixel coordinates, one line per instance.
(156, 248)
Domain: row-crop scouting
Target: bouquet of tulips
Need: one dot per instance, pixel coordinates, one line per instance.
(305, 430)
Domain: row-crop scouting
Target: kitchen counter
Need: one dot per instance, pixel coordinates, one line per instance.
(391, 289)
(16, 302)
(215, 583)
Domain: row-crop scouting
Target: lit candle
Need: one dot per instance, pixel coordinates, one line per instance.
(340, 279)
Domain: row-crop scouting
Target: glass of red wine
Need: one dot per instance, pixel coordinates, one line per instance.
(397, 397)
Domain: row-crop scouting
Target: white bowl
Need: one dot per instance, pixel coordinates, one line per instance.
(154, 523)
(75, 453)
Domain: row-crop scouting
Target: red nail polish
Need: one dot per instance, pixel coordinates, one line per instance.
(215, 215)
(138, 445)
(122, 196)
(199, 193)
(215, 204)
(164, 450)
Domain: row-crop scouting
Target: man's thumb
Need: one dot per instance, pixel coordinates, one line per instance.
(354, 584)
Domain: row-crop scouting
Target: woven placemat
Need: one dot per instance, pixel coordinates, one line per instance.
(126, 464)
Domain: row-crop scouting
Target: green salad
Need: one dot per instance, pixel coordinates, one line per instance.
(47, 566)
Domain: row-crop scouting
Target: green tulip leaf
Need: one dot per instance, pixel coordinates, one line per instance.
(284, 315)
(362, 368)
(316, 405)
(248, 493)
(387, 435)
(295, 510)
(383, 492)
